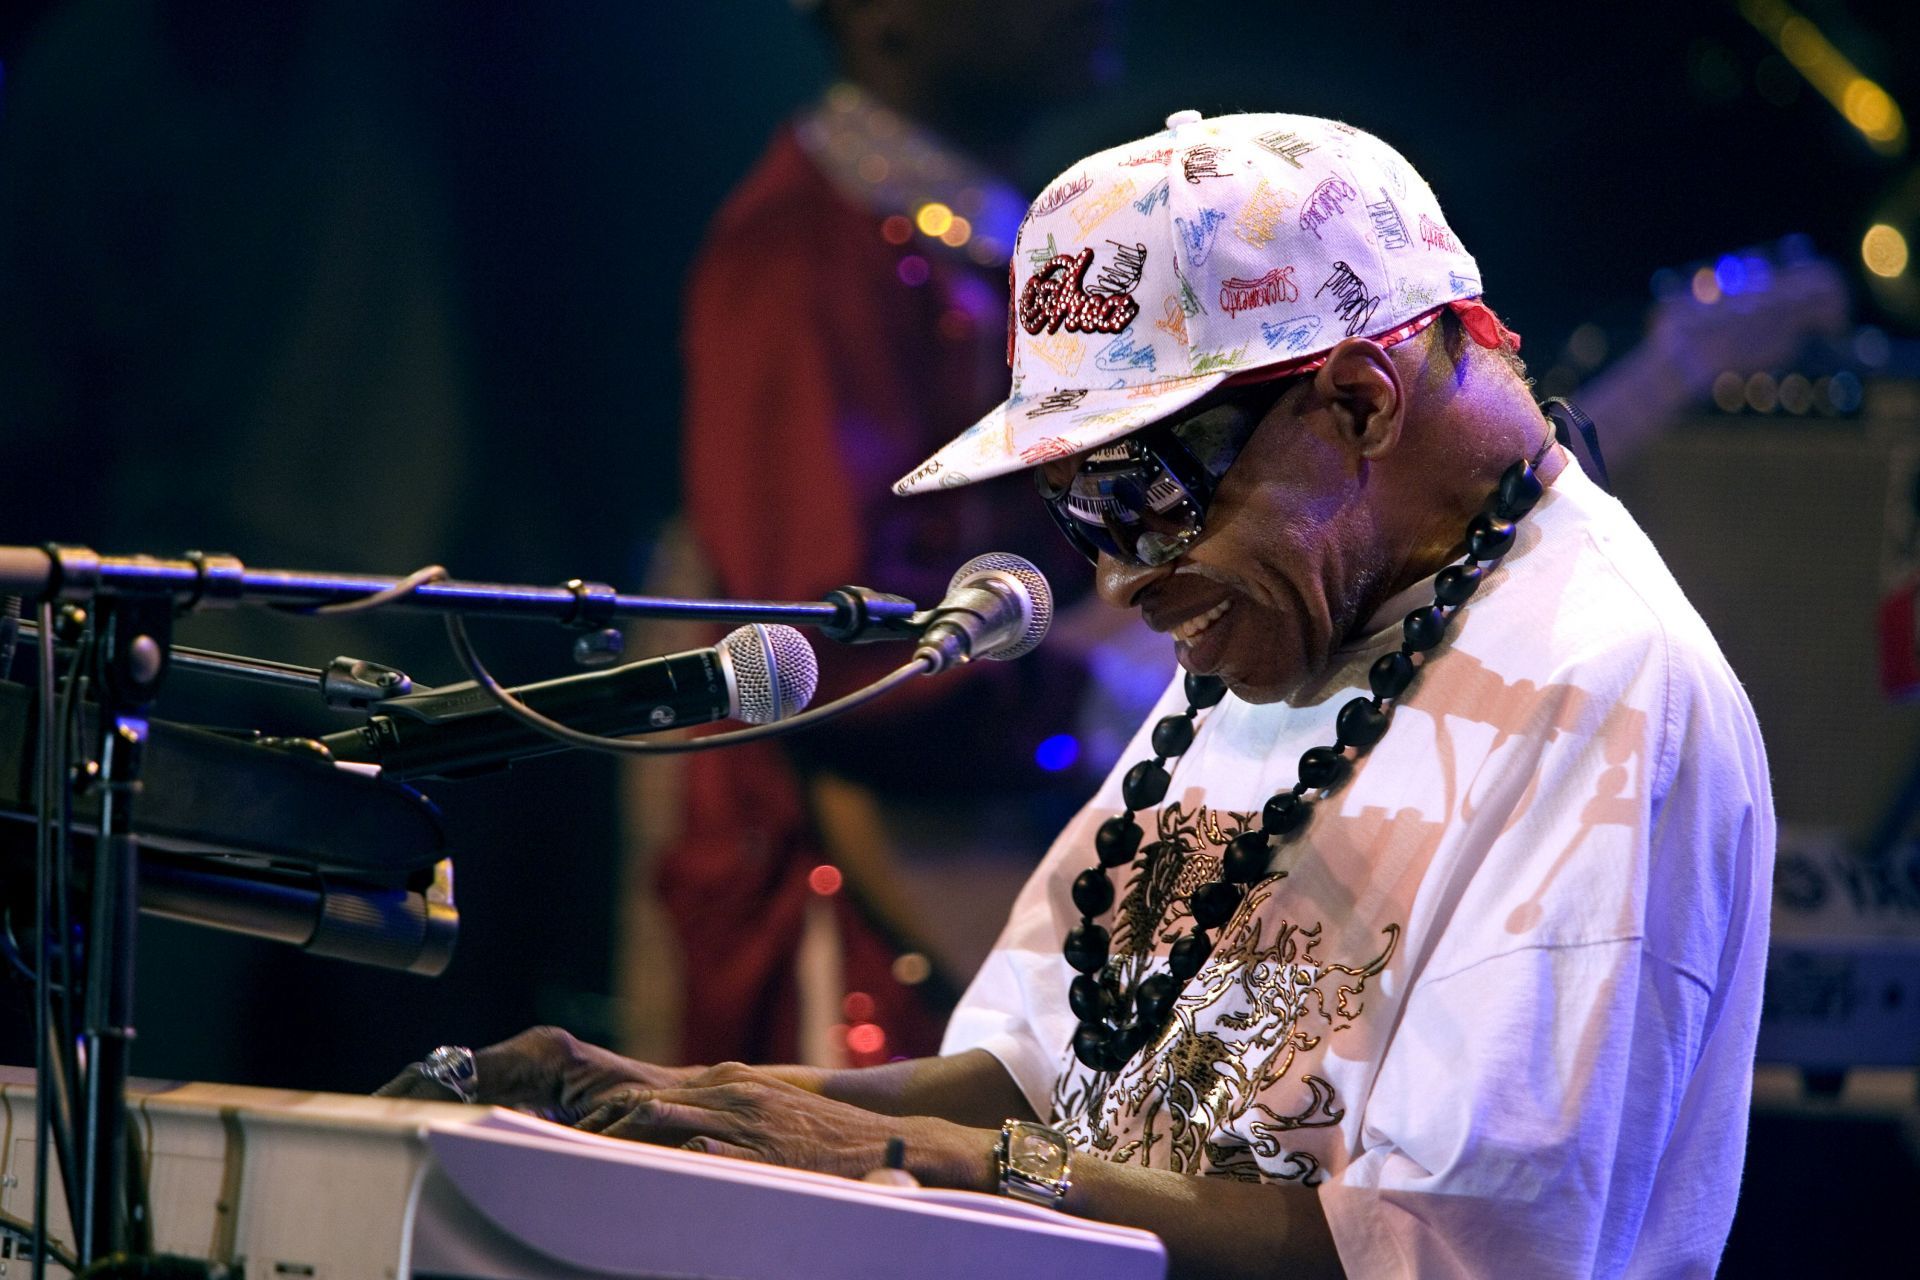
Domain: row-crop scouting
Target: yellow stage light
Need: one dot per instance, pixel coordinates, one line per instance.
(933, 218)
(1884, 250)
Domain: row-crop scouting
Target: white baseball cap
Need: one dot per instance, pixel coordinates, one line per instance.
(1233, 248)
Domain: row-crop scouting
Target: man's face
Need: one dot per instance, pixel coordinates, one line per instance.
(1288, 560)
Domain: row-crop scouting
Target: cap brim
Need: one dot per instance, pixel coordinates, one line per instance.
(1015, 435)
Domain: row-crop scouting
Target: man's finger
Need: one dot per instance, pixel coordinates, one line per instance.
(609, 1109)
(411, 1084)
(715, 1147)
(668, 1124)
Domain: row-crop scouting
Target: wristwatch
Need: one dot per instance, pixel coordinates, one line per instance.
(1033, 1162)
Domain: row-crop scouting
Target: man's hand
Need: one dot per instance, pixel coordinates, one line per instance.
(752, 1114)
(545, 1070)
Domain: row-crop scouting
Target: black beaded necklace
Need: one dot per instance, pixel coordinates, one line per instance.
(1116, 1023)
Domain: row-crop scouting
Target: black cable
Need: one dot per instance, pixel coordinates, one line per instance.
(16, 955)
(43, 911)
(470, 659)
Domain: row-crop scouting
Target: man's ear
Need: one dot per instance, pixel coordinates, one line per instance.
(1364, 395)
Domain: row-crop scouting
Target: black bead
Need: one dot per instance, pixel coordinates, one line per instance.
(1188, 955)
(1518, 492)
(1145, 784)
(1457, 583)
(1089, 1001)
(1204, 691)
(1214, 904)
(1092, 891)
(1248, 856)
(1090, 1045)
(1155, 998)
(1086, 947)
(1360, 725)
(1126, 1042)
(1284, 814)
(1323, 768)
(1391, 675)
(1172, 736)
(1489, 537)
(1116, 841)
(1423, 628)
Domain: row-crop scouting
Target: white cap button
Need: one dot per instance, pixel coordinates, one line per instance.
(1179, 118)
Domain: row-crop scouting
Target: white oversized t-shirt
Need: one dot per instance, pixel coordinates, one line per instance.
(1498, 1000)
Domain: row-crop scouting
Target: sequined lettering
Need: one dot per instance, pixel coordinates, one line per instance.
(1057, 298)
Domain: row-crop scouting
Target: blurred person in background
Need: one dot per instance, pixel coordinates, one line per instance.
(847, 313)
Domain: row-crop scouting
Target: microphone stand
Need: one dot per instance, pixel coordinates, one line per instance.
(852, 615)
(346, 684)
(134, 600)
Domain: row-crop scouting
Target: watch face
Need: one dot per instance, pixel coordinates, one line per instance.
(1037, 1153)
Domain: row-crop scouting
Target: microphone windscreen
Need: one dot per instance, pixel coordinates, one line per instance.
(1030, 581)
(774, 670)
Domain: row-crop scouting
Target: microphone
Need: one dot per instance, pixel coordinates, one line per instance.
(757, 673)
(997, 606)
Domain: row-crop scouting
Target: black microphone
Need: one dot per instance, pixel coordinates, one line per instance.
(757, 673)
(997, 606)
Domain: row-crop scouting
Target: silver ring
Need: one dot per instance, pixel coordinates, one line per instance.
(452, 1067)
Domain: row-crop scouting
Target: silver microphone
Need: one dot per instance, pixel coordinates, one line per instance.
(997, 606)
(771, 671)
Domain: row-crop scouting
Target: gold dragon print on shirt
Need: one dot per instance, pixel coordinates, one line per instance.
(1217, 1093)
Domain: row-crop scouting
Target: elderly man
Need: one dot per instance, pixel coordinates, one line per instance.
(1422, 930)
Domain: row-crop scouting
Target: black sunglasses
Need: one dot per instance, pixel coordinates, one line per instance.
(1143, 499)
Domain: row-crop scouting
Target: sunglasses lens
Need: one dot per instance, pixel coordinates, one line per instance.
(1143, 501)
(1134, 512)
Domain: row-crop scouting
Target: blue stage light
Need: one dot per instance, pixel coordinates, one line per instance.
(1057, 753)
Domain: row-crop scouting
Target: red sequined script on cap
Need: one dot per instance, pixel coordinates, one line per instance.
(1056, 298)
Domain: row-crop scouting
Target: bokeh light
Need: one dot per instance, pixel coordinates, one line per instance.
(1058, 753)
(1884, 250)
(1730, 392)
(911, 969)
(913, 270)
(933, 218)
(825, 879)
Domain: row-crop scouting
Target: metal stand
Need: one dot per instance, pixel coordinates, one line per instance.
(133, 601)
(135, 631)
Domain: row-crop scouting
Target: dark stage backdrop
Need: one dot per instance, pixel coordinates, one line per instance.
(375, 283)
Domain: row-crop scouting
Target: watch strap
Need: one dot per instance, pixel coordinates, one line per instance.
(1037, 1179)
